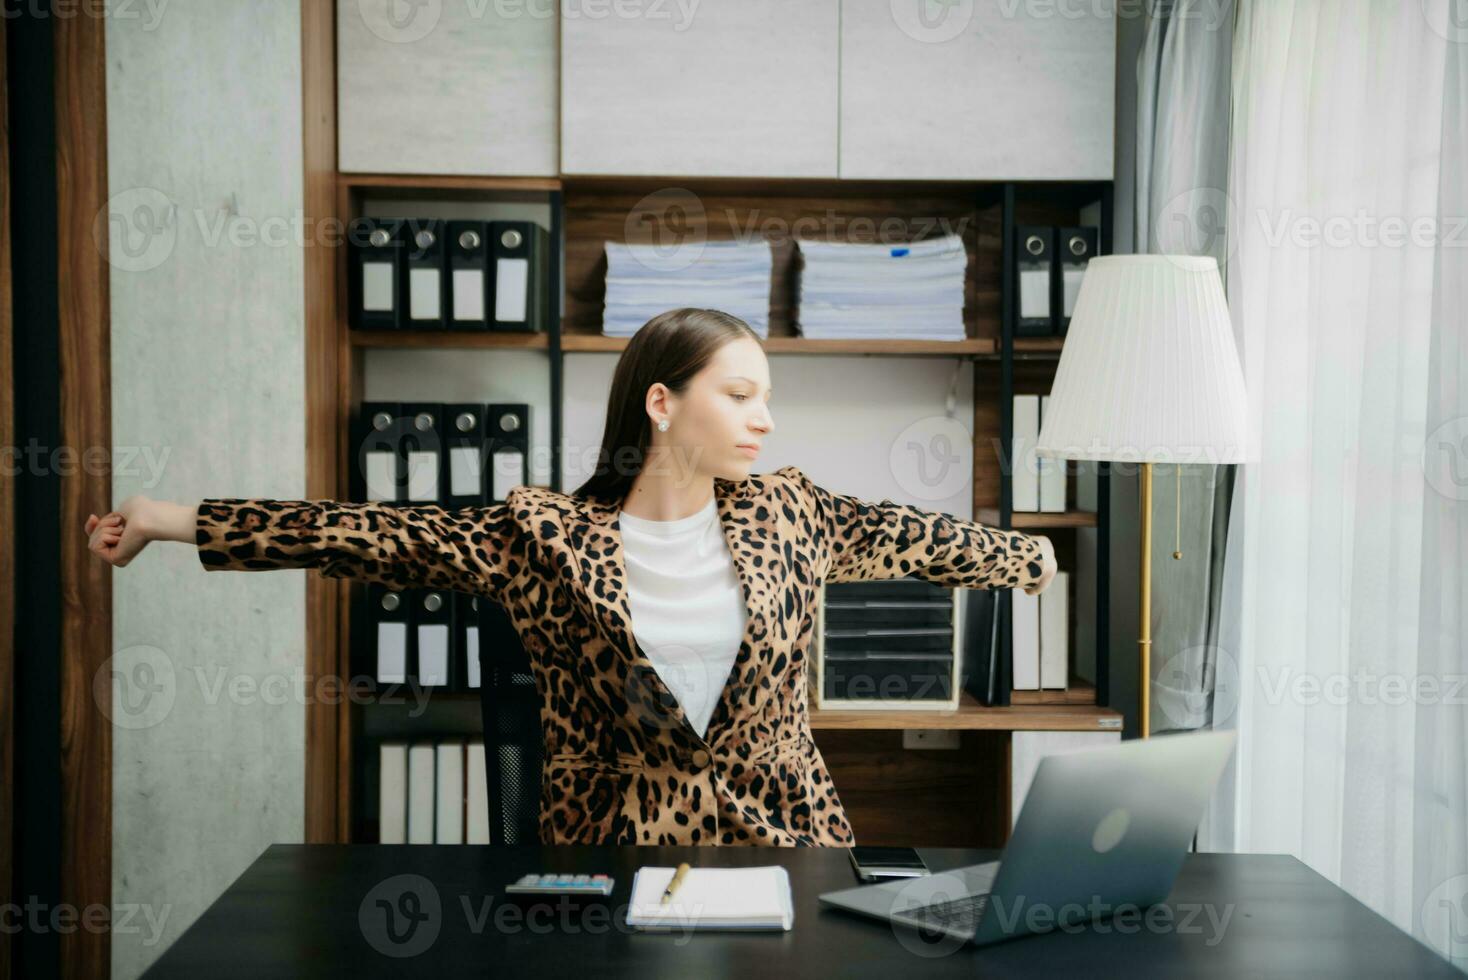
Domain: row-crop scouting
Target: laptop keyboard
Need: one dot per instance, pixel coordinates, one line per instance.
(961, 913)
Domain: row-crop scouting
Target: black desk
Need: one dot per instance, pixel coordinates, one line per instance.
(295, 912)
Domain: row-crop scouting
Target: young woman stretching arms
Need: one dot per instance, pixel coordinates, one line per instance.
(667, 606)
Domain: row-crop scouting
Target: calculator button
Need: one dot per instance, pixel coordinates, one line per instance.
(527, 880)
(547, 879)
(582, 879)
(599, 877)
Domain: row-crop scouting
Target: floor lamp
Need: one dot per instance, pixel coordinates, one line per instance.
(1148, 374)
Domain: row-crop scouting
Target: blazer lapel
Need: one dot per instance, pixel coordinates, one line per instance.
(598, 544)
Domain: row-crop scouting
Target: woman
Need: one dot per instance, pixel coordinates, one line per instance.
(667, 606)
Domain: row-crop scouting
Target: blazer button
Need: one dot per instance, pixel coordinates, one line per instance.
(700, 757)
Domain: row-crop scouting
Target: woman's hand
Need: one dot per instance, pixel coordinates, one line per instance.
(1048, 568)
(118, 536)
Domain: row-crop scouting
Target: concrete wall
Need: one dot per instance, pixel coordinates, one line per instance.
(204, 164)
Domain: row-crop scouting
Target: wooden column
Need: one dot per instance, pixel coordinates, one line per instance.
(84, 344)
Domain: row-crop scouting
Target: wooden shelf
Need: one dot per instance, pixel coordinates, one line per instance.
(1030, 519)
(596, 343)
(458, 182)
(972, 347)
(974, 716)
(1079, 692)
(1038, 345)
(449, 339)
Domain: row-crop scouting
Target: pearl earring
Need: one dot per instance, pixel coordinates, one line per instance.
(663, 426)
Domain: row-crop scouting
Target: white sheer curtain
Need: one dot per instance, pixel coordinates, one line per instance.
(1180, 207)
(1343, 668)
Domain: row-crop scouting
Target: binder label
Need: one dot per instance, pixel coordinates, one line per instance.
(377, 287)
(511, 287)
(468, 289)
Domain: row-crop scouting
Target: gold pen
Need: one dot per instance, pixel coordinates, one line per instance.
(674, 883)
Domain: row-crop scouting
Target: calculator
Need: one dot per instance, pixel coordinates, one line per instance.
(561, 889)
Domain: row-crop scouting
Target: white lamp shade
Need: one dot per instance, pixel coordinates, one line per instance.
(1149, 372)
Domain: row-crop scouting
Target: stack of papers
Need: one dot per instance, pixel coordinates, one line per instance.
(713, 898)
(888, 292)
(645, 280)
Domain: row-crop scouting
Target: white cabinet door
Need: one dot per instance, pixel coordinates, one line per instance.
(446, 88)
(717, 88)
(1026, 749)
(977, 89)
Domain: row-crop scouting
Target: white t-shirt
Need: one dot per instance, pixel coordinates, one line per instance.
(687, 604)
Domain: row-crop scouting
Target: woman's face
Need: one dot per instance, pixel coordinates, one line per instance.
(724, 409)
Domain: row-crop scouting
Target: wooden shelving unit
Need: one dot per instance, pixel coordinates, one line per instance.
(441, 182)
(448, 340)
(974, 347)
(863, 748)
(1028, 520)
(856, 743)
(1056, 715)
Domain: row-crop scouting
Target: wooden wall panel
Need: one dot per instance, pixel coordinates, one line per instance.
(327, 814)
(86, 421)
(636, 211)
(921, 797)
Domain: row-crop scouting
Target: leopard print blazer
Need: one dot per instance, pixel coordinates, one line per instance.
(622, 764)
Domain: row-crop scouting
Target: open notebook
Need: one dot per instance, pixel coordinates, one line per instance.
(713, 898)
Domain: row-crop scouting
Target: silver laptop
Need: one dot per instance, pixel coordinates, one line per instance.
(1100, 828)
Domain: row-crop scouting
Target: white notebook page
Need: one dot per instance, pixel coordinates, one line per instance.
(722, 896)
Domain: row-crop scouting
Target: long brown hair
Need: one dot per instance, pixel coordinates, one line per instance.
(670, 348)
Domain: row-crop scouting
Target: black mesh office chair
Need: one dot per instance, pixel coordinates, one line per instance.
(513, 741)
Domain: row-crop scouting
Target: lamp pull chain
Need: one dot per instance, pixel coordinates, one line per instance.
(1177, 530)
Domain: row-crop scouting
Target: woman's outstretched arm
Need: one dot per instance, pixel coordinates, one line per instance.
(882, 540)
(471, 549)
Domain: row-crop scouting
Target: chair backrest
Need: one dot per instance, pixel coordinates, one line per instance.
(513, 740)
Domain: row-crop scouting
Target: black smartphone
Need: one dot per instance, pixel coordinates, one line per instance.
(880, 863)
